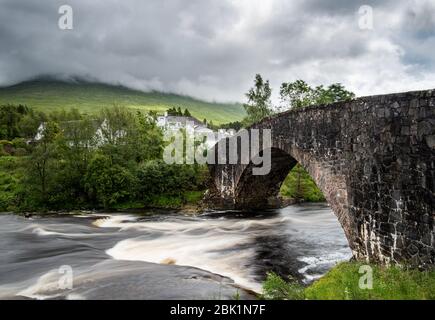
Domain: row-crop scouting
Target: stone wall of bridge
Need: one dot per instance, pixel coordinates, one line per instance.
(374, 160)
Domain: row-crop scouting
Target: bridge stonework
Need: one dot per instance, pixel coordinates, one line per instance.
(372, 157)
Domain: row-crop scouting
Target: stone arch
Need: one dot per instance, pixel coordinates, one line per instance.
(259, 191)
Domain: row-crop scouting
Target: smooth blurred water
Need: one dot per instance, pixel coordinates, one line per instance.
(166, 255)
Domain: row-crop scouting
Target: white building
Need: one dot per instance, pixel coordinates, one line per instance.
(103, 133)
(174, 123)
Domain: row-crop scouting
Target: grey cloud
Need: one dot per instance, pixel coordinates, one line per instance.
(212, 49)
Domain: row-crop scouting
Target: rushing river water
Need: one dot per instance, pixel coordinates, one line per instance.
(165, 255)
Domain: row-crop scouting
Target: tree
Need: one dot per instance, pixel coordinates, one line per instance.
(147, 139)
(11, 122)
(259, 105)
(172, 111)
(236, 125)
(299, 94)
(43, 157)
(109, 184)
(187, 113)
(333, 93)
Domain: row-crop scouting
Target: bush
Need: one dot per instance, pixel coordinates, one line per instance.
(158, 178)
(109, 184)
(19, 143)
(7, 147)
(20, 152)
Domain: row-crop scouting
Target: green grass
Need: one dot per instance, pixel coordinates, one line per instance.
(193, 197)
(89, 98)
(299, 185)
(342, 283)
(10, 175)
(392, 283)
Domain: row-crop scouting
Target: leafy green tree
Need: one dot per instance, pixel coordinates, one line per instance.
(147, 138)
(158, 178)
(43, 159)
(259, 104)
(187, 113)
(107, 183)
(299, 94)
(236, 125)
(334, 93)
(11, 121)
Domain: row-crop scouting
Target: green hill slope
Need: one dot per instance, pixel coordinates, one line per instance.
(88, 97)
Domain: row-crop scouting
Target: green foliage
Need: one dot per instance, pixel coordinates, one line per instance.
(389, 283)
(108, 184)
(158, 178)
(275, 288)
(111, 160)
(299, 94)
(193, 196)
(300, 186)
(18, 121)
(177, 112)
(187, 113)
(165, 201)
(342, 283)
(259, 105)
(11, 175)
(236, 125)
(51, 95)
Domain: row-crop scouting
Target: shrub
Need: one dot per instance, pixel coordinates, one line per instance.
(7, 147)
(109, 184)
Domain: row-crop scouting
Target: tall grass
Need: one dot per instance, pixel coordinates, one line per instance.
(343, 283)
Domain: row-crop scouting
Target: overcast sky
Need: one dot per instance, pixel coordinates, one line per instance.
(212, 49)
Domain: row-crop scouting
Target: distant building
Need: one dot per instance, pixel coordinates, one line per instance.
(174, 123)
(170, 123)
(103, 134)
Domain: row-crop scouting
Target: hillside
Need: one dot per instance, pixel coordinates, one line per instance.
(89, 97)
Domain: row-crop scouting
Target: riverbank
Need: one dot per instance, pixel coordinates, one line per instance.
(357, 281)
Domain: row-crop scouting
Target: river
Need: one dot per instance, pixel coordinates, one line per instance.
(165, 255)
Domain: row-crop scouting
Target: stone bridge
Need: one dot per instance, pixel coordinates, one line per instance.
(372, 157)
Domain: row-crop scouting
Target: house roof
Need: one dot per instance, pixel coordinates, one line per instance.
(183, 120)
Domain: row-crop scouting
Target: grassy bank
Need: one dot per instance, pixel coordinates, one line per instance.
(189, 199)
(342, 283)
(300, 186)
